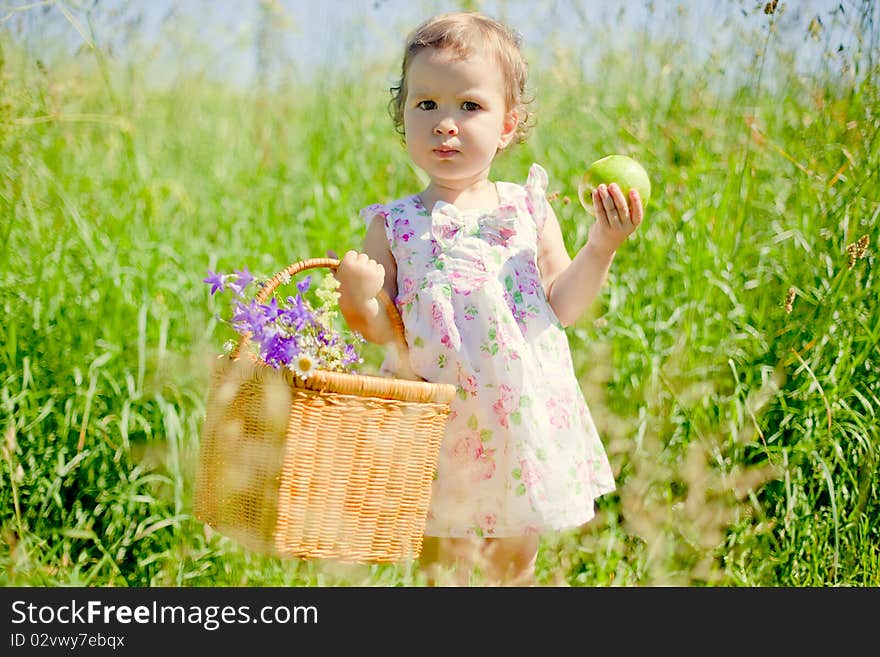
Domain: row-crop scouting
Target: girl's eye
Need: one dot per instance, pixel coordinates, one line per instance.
(470, 106)
(427, 105)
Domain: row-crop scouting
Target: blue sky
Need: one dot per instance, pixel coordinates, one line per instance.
(219, 36)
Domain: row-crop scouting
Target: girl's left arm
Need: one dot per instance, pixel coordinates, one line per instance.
(572, 286)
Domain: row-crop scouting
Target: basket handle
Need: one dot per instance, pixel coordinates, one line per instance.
(332, 264)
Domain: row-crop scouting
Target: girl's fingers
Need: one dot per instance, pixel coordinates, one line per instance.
(599, 207)
(637, 211)
(617, 211)
(620, 204)
(356, 265)
(610, 206)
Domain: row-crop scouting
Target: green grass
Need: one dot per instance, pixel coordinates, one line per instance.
(745, 438)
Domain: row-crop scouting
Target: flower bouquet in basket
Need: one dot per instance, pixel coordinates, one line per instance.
(300, 455)
(295, 332)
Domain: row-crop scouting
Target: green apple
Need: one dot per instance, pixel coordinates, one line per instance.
(623, 170)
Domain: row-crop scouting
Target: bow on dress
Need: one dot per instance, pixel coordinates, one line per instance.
(449, 224)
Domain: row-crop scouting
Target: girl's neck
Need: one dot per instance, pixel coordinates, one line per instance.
(477, 195)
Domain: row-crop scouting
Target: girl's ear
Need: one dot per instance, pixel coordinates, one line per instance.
(508, 129)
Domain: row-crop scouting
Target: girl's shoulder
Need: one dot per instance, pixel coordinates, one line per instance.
(402, 206)
(531, 195)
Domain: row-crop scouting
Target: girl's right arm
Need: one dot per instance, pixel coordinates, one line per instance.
(572, 285)
(361, 276)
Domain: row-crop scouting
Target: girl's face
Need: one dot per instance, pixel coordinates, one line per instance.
(455, 117)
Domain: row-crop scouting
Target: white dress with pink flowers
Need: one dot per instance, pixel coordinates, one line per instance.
(521, 453)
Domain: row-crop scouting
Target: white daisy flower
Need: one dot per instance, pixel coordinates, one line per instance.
(303, 365)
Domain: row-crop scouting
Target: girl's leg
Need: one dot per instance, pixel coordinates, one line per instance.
(449, 561)
(490, 561)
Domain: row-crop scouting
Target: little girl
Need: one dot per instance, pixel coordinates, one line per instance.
(481, 277)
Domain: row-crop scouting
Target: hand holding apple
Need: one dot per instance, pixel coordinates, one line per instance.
(618, 189)
(620, 169)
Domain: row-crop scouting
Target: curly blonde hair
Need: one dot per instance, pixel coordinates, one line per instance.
(464, 33)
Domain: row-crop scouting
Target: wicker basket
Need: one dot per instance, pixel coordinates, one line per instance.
(335, 467)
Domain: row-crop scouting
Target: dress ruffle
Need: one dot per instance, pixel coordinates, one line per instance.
(536, 195)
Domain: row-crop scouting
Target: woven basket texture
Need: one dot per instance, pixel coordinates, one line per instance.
(336, 467)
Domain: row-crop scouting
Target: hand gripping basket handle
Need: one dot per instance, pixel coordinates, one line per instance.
(290, 271)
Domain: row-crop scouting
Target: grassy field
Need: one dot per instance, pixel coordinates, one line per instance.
(732, 362)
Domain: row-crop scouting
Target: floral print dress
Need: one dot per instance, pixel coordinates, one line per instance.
(521, 453)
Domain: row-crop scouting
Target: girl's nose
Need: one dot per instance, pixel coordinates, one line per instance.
(446, 127)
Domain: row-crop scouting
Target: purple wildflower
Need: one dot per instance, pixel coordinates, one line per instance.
(249, 318)
(278, 350)
(271, 311)
(297, 314)
(304, 284)
(351, 355)
(243, 279)
(215, 280)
